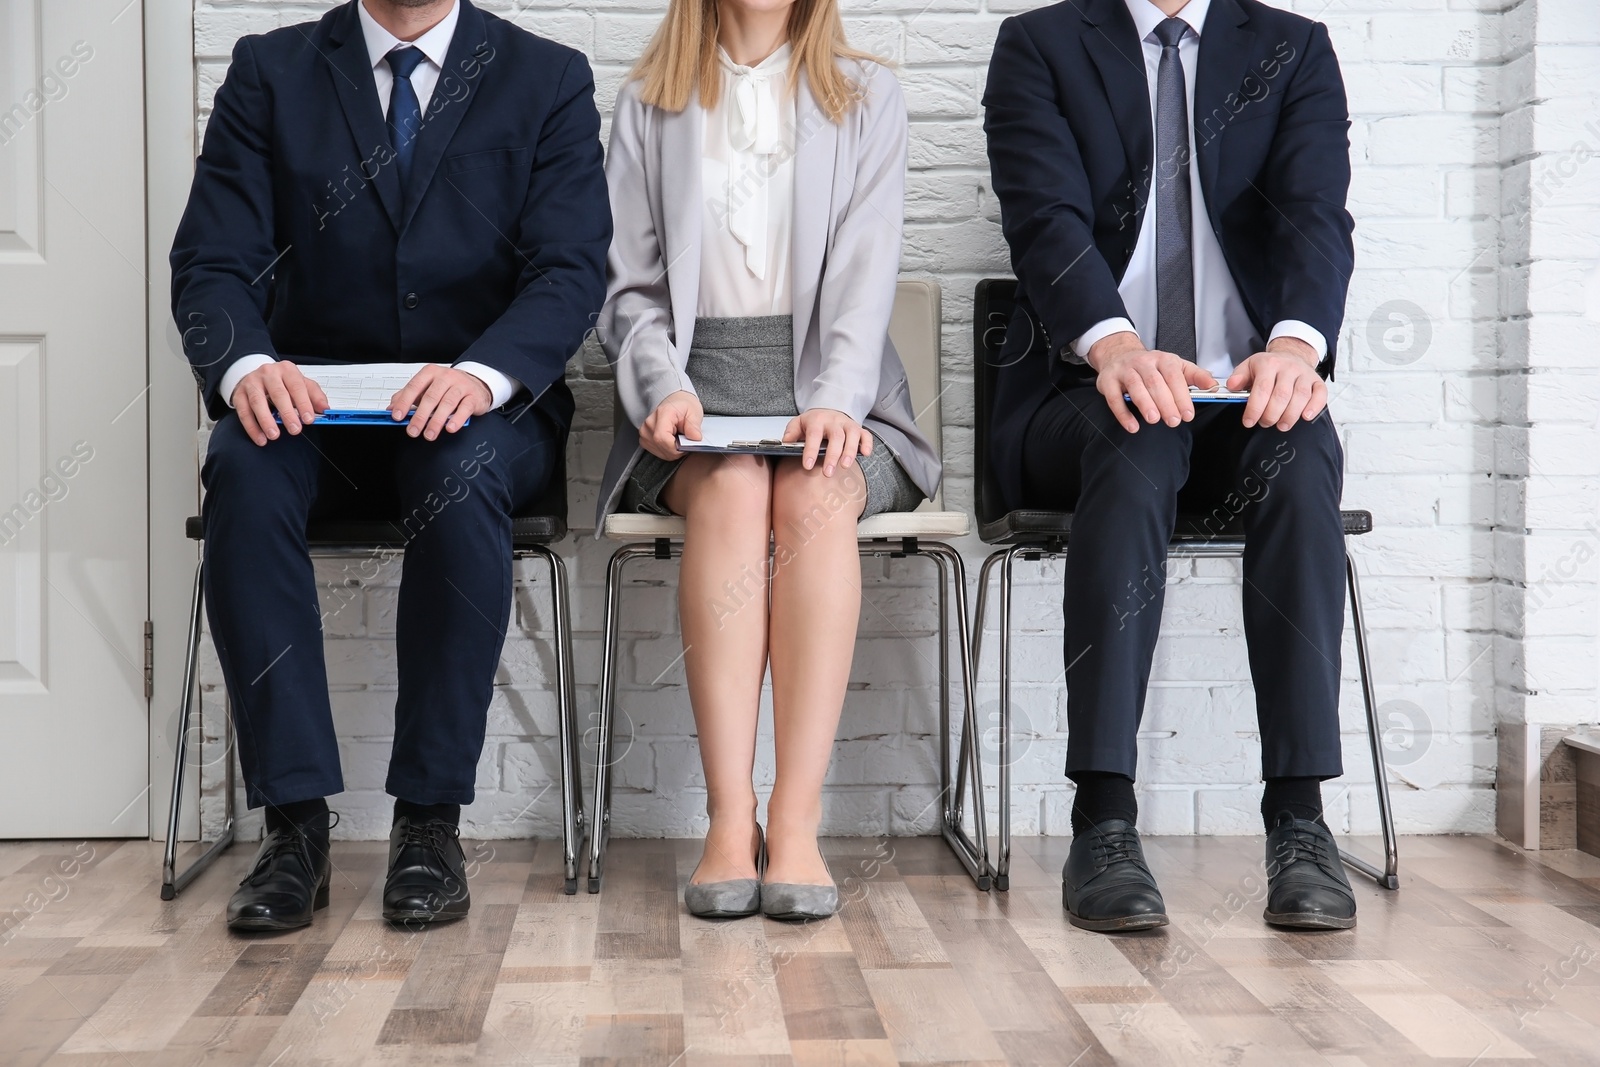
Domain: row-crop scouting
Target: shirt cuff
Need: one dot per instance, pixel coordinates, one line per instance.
(1103, 328)
(1303, 331)
(235, 374)
(502, 387)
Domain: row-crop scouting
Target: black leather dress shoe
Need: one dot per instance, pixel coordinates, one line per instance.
(1106, 885)
(287, 883)
(1306, 885)
(427, 873)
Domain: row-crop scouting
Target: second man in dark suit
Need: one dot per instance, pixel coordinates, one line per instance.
(1172, 179)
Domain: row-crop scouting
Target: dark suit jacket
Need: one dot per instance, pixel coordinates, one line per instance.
(1071, 148)
(298, 239)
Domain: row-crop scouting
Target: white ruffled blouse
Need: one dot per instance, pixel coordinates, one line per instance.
(747, 184)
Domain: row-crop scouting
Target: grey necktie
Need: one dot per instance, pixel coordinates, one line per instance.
(1174, 225)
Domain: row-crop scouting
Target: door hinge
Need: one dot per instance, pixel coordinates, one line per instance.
(149, 659)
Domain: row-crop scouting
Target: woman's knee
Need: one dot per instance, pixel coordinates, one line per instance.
(808, 500)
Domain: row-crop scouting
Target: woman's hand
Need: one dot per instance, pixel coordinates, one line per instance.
(679, 413)
(844, 436)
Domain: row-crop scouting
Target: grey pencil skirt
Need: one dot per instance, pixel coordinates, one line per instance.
(745, 366)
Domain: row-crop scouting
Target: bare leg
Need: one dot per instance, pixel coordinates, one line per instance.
(722, 605)
(816, 601)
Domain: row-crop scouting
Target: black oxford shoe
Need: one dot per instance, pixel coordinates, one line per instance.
(1106, 885)
(287, 883)
(427, 880)
(1306, 885)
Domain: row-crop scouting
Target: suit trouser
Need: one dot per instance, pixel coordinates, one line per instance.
(456, 496)
(1126, 492)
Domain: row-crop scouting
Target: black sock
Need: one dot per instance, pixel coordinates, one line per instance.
(1300, 797)
(1102, 795)
(405, 809)
(308, 814)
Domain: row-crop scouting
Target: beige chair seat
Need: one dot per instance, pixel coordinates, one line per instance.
(889, 525)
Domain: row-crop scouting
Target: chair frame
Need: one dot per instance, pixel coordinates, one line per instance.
(574, 821)
(970, 850)
(1046, 537)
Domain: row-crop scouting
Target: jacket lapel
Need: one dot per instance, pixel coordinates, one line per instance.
(1112, 41)
(469, 53)
(682, 134)
(1225, 46)
(816, 151)
(351, 71)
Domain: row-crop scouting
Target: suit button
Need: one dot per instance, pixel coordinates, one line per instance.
(411, 301)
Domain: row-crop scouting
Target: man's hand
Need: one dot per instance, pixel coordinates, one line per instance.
(1283, 384)
(1157, 383)
(444, 399)
(844, 435)
(279, 387)
(679, 413)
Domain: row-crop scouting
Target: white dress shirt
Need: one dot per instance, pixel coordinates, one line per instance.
(1223, 332)
(747, 188)
(434, 45)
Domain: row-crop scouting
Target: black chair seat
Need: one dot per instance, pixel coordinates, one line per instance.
(382, 533)
(1027, 526)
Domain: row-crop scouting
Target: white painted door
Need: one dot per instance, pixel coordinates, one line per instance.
(73, 561)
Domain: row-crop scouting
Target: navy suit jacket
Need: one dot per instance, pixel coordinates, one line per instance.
(1071, 149)
(299, 242)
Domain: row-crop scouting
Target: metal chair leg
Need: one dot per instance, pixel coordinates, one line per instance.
(1389, 876)
(1002, 879)
(600, 830)
(572, 814)
(172, 880)
(971, 851)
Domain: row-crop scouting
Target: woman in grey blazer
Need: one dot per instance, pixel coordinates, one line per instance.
(757, 175)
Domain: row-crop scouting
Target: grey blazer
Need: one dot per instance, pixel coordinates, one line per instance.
(845, 259)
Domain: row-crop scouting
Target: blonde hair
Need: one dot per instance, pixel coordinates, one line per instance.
(682, 56)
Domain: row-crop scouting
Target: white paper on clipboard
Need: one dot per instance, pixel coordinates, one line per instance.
(755, 435)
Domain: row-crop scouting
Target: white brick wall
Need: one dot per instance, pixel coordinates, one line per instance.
(1466, 398)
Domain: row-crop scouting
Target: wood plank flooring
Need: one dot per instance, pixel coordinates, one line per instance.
(1487, 956)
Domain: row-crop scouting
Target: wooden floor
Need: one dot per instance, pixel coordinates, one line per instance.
(1485, 956)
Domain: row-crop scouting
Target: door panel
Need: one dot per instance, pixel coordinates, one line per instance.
(73, 500)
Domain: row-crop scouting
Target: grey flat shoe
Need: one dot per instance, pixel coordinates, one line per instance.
(791, 902)
(732, 899)
(787, 902)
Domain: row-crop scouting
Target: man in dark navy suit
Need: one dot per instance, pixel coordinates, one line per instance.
(411, 181)
(1172, 179)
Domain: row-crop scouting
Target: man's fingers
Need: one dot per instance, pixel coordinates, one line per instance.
(1194, 374)
(1119, 406)
(464, 411)
(1278, 403)
(278, 393)
(267, 429)
(1260, 392)
(443, 405)
(1318, 401)
(1161, 394)
(300, 397)
(1297, 403)
(1139, 396)
(319, 399)
(424, 407)
(1178, 385)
